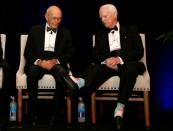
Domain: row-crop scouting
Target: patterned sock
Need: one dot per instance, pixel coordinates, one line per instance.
(119, 110)
(79, 81)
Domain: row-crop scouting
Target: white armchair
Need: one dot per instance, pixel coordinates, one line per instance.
(47, 82)
(3, 42)
(107, 89)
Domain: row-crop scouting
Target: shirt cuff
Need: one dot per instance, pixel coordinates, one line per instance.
(58, 62)
(103, 62)
(36, 62)
(121, 61)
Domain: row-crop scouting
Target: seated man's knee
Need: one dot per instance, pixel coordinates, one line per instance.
(59, 68)
(130, 67)
(33, 70)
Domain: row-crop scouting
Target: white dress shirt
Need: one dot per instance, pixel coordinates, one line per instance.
(49, 40)
(114, 41)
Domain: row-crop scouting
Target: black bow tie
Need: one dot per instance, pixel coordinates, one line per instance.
(110, 29)
(51, 29)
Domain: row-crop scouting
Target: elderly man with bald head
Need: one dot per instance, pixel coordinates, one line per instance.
(48, 50)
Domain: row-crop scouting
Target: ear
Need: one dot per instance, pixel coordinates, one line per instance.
(46, 17)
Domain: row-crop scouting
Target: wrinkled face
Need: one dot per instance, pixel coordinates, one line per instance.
(108, 18)
(53, 17)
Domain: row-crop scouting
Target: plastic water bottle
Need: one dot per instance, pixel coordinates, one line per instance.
(13, 109)
(81, 111)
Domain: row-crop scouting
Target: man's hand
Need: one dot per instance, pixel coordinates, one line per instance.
(51, 63)
(42, 63)
(47, 64)
(112, 62)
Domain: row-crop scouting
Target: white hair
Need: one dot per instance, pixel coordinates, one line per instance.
(111, 8)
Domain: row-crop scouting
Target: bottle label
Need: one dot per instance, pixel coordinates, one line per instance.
(81, 108)
(81, 112)
(13, 110)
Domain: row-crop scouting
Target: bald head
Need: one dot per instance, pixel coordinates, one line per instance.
(108, 14)
(52, 9)
(53, 16)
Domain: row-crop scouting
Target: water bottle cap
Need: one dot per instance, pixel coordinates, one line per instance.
(80, 98)
(12, 97)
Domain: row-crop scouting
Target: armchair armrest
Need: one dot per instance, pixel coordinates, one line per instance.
(1, 77)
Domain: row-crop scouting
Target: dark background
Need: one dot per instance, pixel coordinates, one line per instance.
(81, 17)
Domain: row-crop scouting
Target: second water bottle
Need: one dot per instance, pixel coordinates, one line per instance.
(81, 111)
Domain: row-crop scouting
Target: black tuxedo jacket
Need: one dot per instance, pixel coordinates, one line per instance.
(130, 41)
(35, 45)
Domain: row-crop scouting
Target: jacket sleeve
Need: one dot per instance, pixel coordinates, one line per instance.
(29, 54)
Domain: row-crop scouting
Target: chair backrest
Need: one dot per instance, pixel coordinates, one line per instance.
(3, 42)
(23, 39)
(143, 59)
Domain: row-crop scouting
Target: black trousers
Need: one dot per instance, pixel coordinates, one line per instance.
(34, 74)
(96, 74)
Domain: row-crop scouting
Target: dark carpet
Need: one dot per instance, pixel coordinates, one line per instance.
(133, 121)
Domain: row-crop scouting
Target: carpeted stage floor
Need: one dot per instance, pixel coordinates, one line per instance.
(134, 121)
(93, 128)
(100, 126)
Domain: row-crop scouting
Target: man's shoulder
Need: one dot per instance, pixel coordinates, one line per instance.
(37, 27)
(129, 27)
(64, 29)
(100, 32)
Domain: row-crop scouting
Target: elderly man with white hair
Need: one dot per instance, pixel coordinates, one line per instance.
(117, 51)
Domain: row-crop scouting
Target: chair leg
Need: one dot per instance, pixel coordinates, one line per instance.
(93, 107)
(146, 109)
(19, 105)
(68, 100)
(140, 112)
(101, 107)
(26, 104)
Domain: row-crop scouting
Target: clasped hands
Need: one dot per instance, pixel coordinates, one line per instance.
(112, 62)
(47, 64)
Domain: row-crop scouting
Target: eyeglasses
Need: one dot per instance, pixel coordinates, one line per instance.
(56, 18)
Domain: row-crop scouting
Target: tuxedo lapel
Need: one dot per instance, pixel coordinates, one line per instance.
(58, 38)
(42, 40)
(123, 35)
(105, 41)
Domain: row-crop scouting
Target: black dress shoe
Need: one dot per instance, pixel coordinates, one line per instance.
(118, 122)
(34, 121)
(56, 121)
(52, 121)
(71, 86)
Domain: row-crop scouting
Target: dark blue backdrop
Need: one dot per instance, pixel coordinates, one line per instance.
(82, 19)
